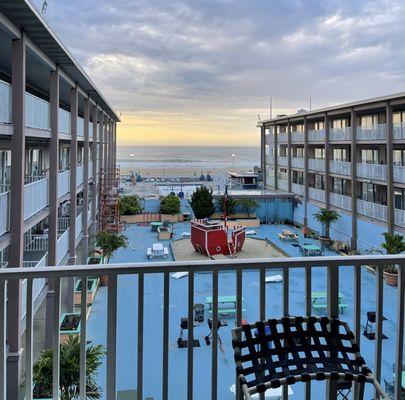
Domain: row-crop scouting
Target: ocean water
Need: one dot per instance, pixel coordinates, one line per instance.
(186, 160)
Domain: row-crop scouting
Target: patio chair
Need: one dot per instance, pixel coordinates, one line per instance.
(298, 349)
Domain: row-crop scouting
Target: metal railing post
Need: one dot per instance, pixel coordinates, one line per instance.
(111, 336)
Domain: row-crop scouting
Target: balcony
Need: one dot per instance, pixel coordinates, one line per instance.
(36, 112)
(80, 127)
(282, 137)
(316, 194)
(282, 161)
(372, 171)
(340, 134)
(79, 225)
(340, 167)
(140, 332)
(399, 216)
(62, 246)
(297, 162)
(282, 184)
(399, 131)
(297, 189)
(372, 210)
(399, 173)
(79, 175)
(64, 121)
(316, 164)
(297, 137)
(373, 132)
(270, 159)
(35, 197)
(4, 212)
(63, 183)
(5, 103)
(316, 135)
(340, 201)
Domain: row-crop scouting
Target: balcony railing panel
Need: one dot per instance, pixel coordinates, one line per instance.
(399, 130)
(35, 197)
(35, 242)
(316, 194)
(270, 159)
(297, 136)
(4, 212)
(316, 135)
(90, 169)
(298, 189)
(316, 165)
(332, 268)
(372, 171)
(373, 132)
(282, 137)
(341, 201)
(297, 162)
(282, 161)
(400, 217)
(63, 183)
(80, 126)
(373, 210)
(63, 224)
(399, 173)
(79, 224)
(90, 130)
(62, 245)
(64, 121)
(79, 175)
(5, 103)
(340, 167)
(340, 134)
(282, 184)
(36, 112)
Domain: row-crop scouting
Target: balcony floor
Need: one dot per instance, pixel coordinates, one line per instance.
(140, 238)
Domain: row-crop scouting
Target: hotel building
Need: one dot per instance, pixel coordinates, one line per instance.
(349, 157)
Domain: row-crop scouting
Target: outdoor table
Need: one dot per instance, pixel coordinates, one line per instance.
(311, 249)
(226, 305)
(155, 226)
(322, 295)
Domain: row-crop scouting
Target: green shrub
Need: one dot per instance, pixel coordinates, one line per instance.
(202, 203)
(170, 205)
(109, 242)
(130, 205)
(231, 204)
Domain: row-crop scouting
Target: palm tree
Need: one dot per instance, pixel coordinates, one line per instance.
(326, 218)
(69, 385)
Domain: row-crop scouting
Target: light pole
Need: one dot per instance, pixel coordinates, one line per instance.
(233, 162)
(132, 157)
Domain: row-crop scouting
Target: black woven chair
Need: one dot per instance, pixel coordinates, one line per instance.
(298, 349)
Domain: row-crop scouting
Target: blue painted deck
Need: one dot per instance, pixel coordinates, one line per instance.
(140, 238)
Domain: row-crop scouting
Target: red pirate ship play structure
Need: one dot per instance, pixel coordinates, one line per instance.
(210, 238)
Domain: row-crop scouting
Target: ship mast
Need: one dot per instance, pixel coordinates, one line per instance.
(225, 201)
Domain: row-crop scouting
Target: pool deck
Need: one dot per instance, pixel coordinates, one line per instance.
(141, 237)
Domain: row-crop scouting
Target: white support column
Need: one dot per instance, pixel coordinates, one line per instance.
(85, 229)
(18, 67)
(105, 142)
(53, 201)
(95, 169)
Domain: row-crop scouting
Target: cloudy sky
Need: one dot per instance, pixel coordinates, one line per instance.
(199, 72)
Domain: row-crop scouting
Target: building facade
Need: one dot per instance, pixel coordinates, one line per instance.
(350, 157)
(57, 132)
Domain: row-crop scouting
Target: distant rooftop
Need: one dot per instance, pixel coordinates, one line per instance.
(252, 193)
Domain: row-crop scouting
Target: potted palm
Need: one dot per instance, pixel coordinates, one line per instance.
(69, 385)
(394, 243)
(109, 242)
(326, 218)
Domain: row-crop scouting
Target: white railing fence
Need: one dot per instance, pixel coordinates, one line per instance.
(282, 184)
(36, 112)
(297, 189)
(340, 167)
(297, 136)
(282, 161)
(316, 164)
(341, 201)
(373, 210)
(316, 135)
(64, 121)
(79, 175)
(63, 183)
(4, 212)
(297, 162)
(63, 224)
(372, 171)
(5, 103)
(331, 267)
(399, 217)
(316, 194)
(337, 134)
(35, 242)
(282, 137)
(399, 173)
(62, 245)
(35, 197)
(373, 132)
(399, 130)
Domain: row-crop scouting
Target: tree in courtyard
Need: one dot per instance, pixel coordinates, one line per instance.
(170, 205)
(248, 204)
(109, 242)
(326, 218)
(130, 205)
(231, 204)
(202, 203)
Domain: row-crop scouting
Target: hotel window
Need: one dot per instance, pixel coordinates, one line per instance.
(340, 123)
(399, 199)
(340, 186)
(33, 166)
(398, 117)
(369, 156)
(399, 157)
(319, 154)
(282, 174)
(298, 152)
(298, 177)
(368, 120)
(80, 155)
(319, 125)
(340, 155)
(63, 158)
(369, 192)
(319, 182)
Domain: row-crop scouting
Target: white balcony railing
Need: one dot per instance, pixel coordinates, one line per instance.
(270, 159)
(282, 137)
(282, 161)
(62, 246)
(399, 217)
(36, 112)
(4, 212)
(80, 126)
(64, 121)
(399, 130)
(5, 103)
(340, 167)
(399, 173)
(373, 210)
(79, 175)
(373, 132)
(35, 242)
(90, 169)
(241, 273)
(372, 171)
(316, 194)
(63, 183)
(282, 184)
(316, 135)
(316, 165)
(90, 130)
(340, 134)
(341, 201)
(79, 224)
(297, 136)
(63, 224)
(35, 197)
(297, 189)
(297, 162)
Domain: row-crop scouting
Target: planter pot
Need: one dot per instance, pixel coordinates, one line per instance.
(325, 241)
(92, 285)
(69, 325)
(390, 279)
